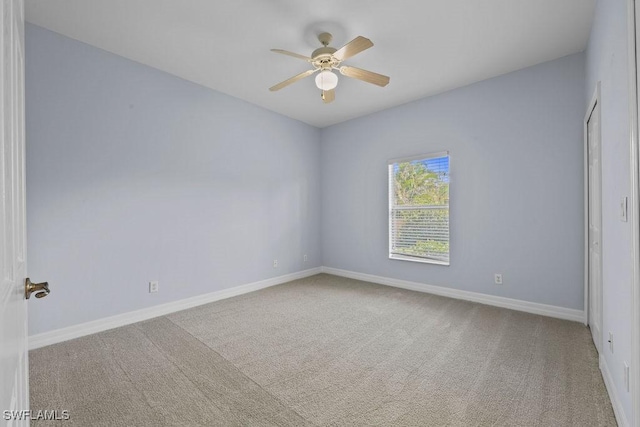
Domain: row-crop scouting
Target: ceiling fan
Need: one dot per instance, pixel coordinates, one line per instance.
(326, 59)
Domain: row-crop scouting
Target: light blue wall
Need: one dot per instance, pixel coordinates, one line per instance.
(135, 175)
(516, 184)
(607, 62)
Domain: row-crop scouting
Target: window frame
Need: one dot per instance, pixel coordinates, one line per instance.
(391, 196)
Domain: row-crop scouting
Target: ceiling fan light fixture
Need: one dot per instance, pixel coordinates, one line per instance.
(326, 80)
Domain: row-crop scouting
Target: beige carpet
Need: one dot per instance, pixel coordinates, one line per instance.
(328, 351)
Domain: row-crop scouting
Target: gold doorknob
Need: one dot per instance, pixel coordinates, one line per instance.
(41, 289)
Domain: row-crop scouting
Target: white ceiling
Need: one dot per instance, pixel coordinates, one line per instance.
(425, 46)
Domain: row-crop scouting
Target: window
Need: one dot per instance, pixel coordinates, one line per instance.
(419, 209)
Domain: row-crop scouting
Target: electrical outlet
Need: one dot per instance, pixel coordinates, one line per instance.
(153, 286)
(626, 376)
(304, 258)
(611, 341)
(275, 263)
(498, 278)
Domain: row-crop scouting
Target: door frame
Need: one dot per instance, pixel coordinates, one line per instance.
(595, 100)
(633, 16)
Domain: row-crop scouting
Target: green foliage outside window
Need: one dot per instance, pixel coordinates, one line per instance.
(421, 229)
(416, 185)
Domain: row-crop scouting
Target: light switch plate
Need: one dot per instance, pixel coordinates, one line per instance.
(153, 286)
(624, 209)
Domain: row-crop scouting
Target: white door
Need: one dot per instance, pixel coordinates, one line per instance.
(14, 384)
(594, 225)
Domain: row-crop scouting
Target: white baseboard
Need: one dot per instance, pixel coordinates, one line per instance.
(76, 331)
(513, 304)
(613, 394)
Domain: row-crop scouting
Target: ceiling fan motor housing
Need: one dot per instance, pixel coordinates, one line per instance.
(323, 57)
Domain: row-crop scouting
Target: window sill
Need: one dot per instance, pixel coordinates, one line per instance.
(420, 260)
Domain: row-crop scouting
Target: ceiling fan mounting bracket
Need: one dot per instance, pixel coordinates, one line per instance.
(325, 38)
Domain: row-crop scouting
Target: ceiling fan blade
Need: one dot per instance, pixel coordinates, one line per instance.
(354, 47)
(328, 96)
(365, 76)
(292, 80)
(295, 55)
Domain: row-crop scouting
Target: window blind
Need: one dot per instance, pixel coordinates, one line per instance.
(419, 208)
